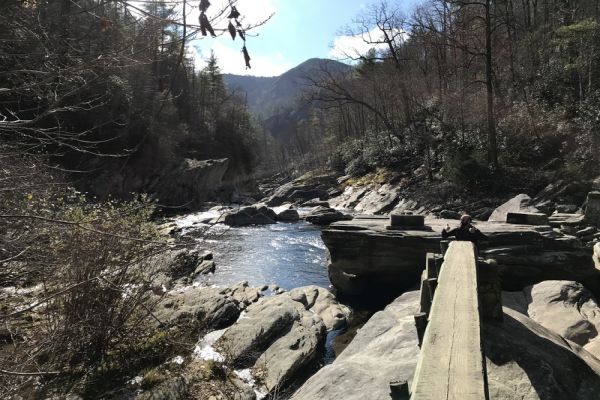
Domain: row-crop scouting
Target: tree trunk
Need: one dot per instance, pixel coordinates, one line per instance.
(489, 83)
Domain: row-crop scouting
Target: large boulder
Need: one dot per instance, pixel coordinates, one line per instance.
(277, 336)
(251, 215)
(564, 307)
(268, 320)
(213, 307)
(518, 204)
(192, 183)
(305, 188)
(323, 303)
(526, 361)
(385, 349)
(290, 352)
(287, 213)
(326, 216)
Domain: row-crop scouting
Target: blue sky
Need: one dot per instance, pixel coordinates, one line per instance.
(299, 30)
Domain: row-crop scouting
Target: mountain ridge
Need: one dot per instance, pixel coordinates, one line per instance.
(269, 96)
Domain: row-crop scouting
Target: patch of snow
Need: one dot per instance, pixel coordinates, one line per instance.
(176, 360)
(205, 350)
(208, 353)
(135, 381)
(246, 376)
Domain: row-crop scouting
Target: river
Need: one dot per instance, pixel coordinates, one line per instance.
(288, 255)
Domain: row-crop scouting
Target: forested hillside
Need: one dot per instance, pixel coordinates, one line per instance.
(470, 90)
(107, 89)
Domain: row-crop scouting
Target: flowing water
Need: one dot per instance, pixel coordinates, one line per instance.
(286, 254)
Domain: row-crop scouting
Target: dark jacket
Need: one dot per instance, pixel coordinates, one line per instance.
(463, 233)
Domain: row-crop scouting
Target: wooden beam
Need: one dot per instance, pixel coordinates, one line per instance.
(451, 362)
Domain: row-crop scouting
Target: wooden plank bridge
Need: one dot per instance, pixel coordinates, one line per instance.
(451, 363)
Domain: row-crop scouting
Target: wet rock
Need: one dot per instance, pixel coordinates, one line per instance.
(518, 204)
(326, 216)
(287, 213)
(252, 215)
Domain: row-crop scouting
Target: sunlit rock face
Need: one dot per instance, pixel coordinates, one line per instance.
(385, 349)
(524, 360)
(564, 307)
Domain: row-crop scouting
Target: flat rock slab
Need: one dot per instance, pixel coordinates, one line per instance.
(368, 259)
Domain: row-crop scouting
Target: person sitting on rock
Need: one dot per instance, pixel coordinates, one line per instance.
(465, 231)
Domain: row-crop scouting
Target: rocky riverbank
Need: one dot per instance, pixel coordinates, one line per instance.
(526, 356)
(247, 341)
(255, 341)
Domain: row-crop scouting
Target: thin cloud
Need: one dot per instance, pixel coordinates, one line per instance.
(346, 47)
